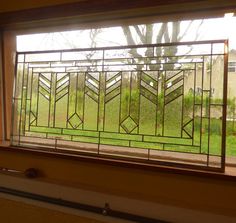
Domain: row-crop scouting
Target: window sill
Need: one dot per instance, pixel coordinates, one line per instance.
(229, 174)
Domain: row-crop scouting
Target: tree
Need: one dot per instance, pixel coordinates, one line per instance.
(168, 32)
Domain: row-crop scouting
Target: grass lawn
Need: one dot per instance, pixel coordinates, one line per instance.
(150, 127)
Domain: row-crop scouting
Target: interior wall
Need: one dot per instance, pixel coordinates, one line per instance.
(210, 194)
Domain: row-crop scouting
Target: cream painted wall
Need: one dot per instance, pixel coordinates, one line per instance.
(154, 210)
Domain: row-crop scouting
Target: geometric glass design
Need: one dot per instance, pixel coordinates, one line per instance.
(129, 125)
(75, 121)
(165, 103)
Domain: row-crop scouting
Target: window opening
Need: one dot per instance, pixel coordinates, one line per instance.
(126, 72)
(107, 101)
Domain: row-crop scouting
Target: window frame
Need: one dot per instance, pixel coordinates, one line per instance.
(8, 51)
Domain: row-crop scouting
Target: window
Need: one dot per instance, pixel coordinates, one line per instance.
(108, 101)
(149, 93)
(232, 67)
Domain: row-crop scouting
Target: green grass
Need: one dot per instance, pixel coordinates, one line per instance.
(150, 125)
(152, 142)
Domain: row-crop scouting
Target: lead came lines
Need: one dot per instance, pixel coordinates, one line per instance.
(125, 98)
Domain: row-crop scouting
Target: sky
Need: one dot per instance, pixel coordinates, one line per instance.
(210, 29)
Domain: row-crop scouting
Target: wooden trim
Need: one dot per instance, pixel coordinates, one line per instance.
(116, 163)
(3, 111)
(117, 11)
(81, 8)
(9, 50)
(94, 209)
(1, 91)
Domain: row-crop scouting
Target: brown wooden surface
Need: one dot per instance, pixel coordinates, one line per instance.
(213, 194)
(18, 211)
(229, 175)
(9, 49)
(1, 92)
(84, 11)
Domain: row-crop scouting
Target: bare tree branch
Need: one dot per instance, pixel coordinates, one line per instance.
(196, 36)
(159, 37)
(128, 35)
(185, 31)
(129, 38)
(148, 39)
(198, 30)
(161, 33)
(149, 33)
(166, 34)
(175, 31)
(140, 34)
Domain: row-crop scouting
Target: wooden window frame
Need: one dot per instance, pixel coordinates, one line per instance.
(61, 20)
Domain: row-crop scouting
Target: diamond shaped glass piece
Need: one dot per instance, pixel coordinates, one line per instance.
(75, 121)
(32, 118)
(128, 124)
